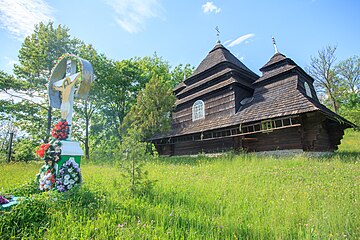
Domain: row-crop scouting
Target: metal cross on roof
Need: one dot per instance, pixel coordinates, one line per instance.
(274, 43)
(217, 34)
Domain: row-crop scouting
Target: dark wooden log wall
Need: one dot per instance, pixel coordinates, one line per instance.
(337, 133)
(289, 138)
(215, 105)
(165, 150)
(209, 146)
(315, 133)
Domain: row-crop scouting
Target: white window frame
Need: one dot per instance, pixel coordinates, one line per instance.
(198, 110)
(307, 89)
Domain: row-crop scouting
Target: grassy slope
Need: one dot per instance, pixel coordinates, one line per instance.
(244, 196)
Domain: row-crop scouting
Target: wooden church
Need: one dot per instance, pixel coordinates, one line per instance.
(225, 106)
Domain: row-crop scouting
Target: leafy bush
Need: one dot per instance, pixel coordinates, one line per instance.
(25, 150)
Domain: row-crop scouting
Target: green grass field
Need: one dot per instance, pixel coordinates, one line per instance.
(242, 196)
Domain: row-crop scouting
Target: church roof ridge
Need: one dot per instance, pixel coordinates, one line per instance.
(276, 58)
(219, 54)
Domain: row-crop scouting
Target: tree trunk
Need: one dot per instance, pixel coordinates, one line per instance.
(334, 103)
(10, 147)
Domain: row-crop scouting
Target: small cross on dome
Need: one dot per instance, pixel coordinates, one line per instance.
(274, 43)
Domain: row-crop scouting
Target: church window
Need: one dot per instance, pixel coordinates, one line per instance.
(267, 126)
(307, 89)
(198, 110)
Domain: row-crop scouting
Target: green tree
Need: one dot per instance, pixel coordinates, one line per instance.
(339, 82)
(322, 69)
(85, 109)
(180, 73)
(37, 56)
(133, 156)
(350, 108)
(349, 73)
(39, 52)
(152, 111)
(117, 93)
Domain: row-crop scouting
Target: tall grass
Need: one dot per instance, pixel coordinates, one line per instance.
(244, 196)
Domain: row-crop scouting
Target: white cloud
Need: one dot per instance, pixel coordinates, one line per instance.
(20, 16)
(241, 39)
(227, 41)
(209, 7)
(132, 14)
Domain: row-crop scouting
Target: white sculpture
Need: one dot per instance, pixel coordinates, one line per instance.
(71, 77)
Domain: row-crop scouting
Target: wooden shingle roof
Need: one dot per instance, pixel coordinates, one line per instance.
(218, 55)
(278, 57)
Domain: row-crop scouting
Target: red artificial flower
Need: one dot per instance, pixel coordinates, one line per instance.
(61, 130)
(41, 151)
(52, 179)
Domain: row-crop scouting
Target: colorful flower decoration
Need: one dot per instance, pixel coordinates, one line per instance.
(61, 130)
(46, 177)
(43, 148)
(69, 176)
(50, 151)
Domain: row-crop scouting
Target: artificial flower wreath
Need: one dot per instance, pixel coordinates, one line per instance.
(61, 130)
(69, 176)
(46, 177)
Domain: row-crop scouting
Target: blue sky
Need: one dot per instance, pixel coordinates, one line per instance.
(184, 31)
